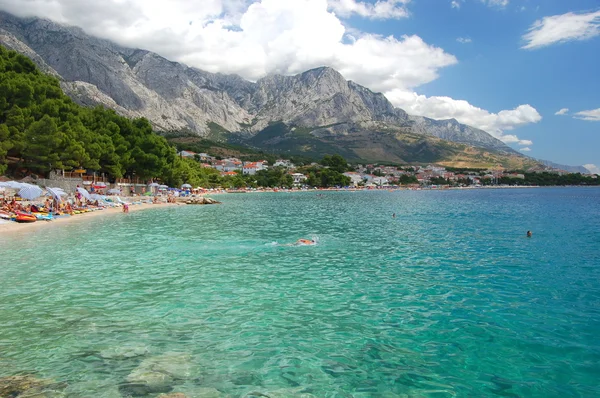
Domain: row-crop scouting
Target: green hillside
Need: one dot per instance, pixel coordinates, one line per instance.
(42, 129)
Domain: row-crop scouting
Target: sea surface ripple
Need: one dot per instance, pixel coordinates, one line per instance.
(449, 298)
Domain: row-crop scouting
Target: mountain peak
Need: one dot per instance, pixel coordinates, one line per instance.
(173, 96)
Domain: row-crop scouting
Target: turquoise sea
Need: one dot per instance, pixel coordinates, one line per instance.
(448, 299)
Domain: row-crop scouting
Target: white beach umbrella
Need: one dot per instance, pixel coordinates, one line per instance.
(11, 184)
(154, 184)
(84, 193)
(114, 191)
(96, 196)
(186, 186)
(56, 193)
(30, 192)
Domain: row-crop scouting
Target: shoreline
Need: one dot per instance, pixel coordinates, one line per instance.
(18, 228)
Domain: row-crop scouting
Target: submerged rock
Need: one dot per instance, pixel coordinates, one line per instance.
(158, 374)
(281, 393)
(125, 352)
(96, 388)
(29, 386)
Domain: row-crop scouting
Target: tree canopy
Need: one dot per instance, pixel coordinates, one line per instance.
(43, 129)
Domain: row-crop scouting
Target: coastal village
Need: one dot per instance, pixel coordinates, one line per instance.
(374, 175)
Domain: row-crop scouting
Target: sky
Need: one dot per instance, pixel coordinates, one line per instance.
(525, 71)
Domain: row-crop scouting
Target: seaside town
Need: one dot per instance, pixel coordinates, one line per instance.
(379, 176)
(68, 193)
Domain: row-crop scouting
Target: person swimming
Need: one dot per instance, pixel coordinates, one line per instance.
(305, 242)
(529, 234)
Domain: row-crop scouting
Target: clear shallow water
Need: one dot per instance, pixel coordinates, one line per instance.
(448, 299)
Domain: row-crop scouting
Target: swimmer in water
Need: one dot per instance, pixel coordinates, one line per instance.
(305, 242)
(529, 234)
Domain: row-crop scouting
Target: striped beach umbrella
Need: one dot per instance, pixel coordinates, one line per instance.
(30, 192)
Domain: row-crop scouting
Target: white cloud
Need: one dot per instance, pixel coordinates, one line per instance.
(562, 111)
(445, 108)
(268, 36)
(464, 40)
(455, 4)
(526, 149)
(254, 38)
(382, 9)
(591, 115)
(496, 3)
(561, 29)
(525, 142)
(592, 168)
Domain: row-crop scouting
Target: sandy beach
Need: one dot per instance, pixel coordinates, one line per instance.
(17, 228)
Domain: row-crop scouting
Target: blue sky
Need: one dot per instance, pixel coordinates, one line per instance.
(505, 66)
(494, 73)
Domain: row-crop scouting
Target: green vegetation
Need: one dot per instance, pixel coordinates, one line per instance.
(549, 179)
(335, 163)
(42, 129)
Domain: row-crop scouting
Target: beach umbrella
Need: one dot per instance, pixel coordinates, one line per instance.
(163, 186)
(87, 183)
(186, 186)
(56, 193)
(11, 184)
(100, 185)
(84, 193)
(30, 192)
(154, 184)
(96, 196)
(114, 191)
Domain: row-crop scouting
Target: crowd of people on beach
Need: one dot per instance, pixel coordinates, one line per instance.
(15, 208)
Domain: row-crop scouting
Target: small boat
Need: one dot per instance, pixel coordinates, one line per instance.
(24, 217)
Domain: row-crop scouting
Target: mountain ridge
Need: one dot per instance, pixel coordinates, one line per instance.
(173, 96)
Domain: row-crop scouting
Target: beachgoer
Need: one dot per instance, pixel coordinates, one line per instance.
(394, 215)
(305, 242)
(529, 234)
(125, 208)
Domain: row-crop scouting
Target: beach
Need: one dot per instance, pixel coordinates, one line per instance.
(18, 228)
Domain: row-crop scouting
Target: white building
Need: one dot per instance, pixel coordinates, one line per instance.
(299, 178)
(187, 154)
(355, 178)
(284, 163)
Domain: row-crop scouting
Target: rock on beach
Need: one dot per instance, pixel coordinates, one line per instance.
(202, 201)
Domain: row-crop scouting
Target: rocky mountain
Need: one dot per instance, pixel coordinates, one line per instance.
(319, 102)
(570, 169)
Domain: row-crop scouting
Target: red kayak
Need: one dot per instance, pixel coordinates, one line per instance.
(25, 217)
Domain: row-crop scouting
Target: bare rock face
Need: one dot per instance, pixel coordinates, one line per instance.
(452, 130)
(173, 96)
